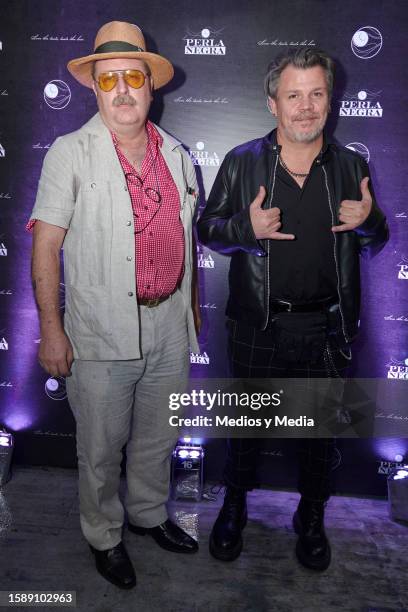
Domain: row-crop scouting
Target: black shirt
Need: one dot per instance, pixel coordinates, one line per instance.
(303, 270)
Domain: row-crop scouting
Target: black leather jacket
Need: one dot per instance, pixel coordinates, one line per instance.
(225, 226)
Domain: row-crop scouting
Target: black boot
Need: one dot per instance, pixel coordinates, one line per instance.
(226, 538)
(312, 548)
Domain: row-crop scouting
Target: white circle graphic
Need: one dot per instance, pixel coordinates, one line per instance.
(366, 42)
(360, 38)
(57, 94)
(200, 145)
(362, 95)
(51, 384)
(55, 388)
(398, 458)
(360, 148)
(205, 33)
(51, 90)
(336, 459)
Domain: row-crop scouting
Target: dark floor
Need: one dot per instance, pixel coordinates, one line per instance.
(42, 549)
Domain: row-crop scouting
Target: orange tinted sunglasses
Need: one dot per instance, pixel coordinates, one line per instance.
(108, 80)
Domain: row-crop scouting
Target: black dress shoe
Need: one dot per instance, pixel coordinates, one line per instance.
(226, 538)
(114, 565)
(312, 548)
(169, 536)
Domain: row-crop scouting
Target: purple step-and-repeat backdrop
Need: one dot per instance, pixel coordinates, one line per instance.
(220, 49)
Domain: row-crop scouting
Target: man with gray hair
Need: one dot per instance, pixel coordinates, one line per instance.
(294, 211)
(119, 195)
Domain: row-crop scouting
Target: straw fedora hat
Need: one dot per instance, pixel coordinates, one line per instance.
(121, 39)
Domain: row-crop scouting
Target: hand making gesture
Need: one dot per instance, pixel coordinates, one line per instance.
(266, 223)
(353, 213)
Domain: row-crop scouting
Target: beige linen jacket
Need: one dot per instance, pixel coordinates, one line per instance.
(83, 190)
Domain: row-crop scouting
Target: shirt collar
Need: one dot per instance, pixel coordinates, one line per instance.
(271, 142)
(153, 135)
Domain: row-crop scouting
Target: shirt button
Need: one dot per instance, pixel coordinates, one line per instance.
(93, 185)
(129, 223)
(146, 208)
(128, 258)
(151, 262)
(150, 233)
(130, 293)
(147, 286)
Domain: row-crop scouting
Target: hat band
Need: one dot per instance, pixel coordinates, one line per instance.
(116, 46)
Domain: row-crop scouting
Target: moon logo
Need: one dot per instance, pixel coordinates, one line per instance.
(366, 42)
(55, 388)
(57, 94)
(360, 148)
(200, 145)
(362, 95)
(336, 460)
(205, 33)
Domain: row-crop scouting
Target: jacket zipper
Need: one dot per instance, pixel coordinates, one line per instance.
(272, 180)
(334, 252)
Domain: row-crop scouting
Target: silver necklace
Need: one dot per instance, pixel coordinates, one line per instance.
(298, 174)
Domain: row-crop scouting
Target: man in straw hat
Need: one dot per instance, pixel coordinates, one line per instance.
(119, 194)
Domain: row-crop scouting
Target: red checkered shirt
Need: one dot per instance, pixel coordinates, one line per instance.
(159, 234)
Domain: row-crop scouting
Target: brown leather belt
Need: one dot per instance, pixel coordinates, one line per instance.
(285, 306)
(153, 303)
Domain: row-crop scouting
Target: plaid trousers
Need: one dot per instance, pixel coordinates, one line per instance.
(294, 346)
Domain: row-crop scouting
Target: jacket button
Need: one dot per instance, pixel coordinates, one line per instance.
(128, 258)
(130, 293)
(93, 185)
(128, 223)
(125, 188)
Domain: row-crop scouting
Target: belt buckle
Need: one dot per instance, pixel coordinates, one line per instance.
(153, 303)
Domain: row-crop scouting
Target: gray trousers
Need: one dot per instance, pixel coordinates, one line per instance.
(118, 403)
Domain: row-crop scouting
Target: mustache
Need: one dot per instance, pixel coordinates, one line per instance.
(305, 117)
(123, 99)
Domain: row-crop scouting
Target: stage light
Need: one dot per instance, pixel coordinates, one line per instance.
(398, 493)
(6, 452)
(187, 471)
